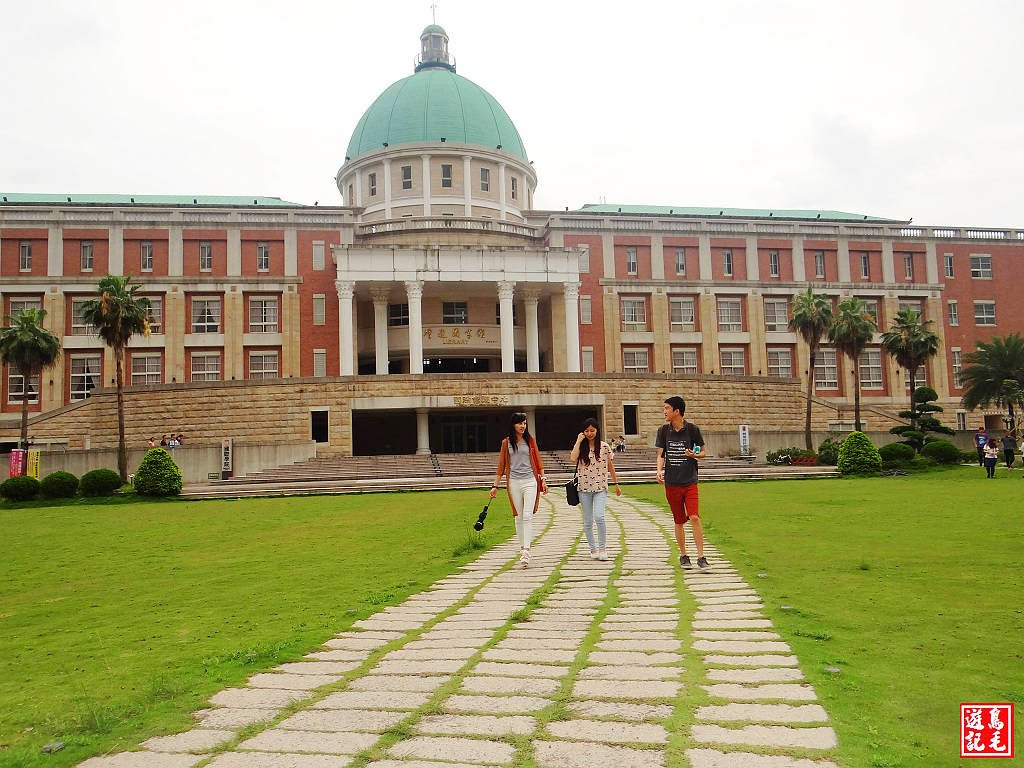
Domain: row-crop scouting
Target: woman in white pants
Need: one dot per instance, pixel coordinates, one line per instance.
(519, 461)
(593, 459)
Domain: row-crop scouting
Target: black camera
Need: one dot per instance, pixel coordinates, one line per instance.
(479, 524)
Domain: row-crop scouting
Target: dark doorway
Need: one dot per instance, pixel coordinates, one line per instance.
(557, 427)
(318, 423)
(463, 434)
(381, 433)
(456, 365)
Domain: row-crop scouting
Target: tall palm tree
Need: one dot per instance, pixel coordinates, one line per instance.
(26, 344)
(811, 318)
(117, 315)
(912, 344)
(851, 331)
(994, 373)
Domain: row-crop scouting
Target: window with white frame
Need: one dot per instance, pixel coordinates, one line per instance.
(263, 364)
(871, 369)
(398, 315)
(826, 374)
(371, 184)
(631, 262)
(319, 249)
(263, 314)
(953, 313)
(485, 179)
(206, 366)
(25, 257)
(634, 360)
(586, 313)
(776, 314)
(819, 264)
(680, 261)
(947, 261)
(908, 266)
(146, 368)
(634, 313)
(262, 257)
(319, 309)
(961, 420)
(446, 175)
(406, 177)
(320, 362)
(871, 308)
(981, 266)
(155, 314)
(146, 257)
(914, 304)
(684, 360)
(79, 326)
(680, 313)
(865, 266)
(515, 187)
(958, 368)
(727, 262)
(730, 314)
(454, 313)
(984, 313)
(585, 260)
(587, 359)
(19, 304)
(206, 314)
(87, 258)
(16, 385)
(920, 377)
(733, 362)
(205, 257)
(85, 375)
(773, 263)
(780, 362)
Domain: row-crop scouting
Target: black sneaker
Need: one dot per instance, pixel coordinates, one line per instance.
(685, 562)
(702, 563)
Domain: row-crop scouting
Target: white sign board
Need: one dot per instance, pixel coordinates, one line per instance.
(744, 439)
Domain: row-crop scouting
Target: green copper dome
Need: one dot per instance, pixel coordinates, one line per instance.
(432, 104)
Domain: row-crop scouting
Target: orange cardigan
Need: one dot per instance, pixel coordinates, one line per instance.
(505, 468)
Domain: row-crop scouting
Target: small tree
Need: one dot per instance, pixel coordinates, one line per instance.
(995, 374)
(812, 317)
(26, 344)
(912, 344)
(922, 422)
(851, 331)
(858, 455)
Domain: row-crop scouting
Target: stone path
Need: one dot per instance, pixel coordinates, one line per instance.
(571, 663)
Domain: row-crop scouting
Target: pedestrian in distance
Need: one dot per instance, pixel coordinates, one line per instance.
(680, 445)
(980, 440)
(593, 459)
(991, 458)
(163, 441)
(151, 443)
(519, 462)
(1009, 448)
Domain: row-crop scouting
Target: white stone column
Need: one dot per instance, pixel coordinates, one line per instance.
(422, 430)
(931, 264)
(843, 256)
(346, 332)
(414, 292)
(426, 202)
(888, 266)
(531, 419)
(704, 255)
(55, 251)
(115, 264)
(234, 252)
(531, 298)
(753, 263)
(799, 273)
(467, 185)
(380, 328)
(501, 190)
(657, 257)
(572, 327)
(506, 290)
(387, 188)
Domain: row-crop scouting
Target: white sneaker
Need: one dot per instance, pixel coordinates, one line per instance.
(524, 559)
(594, 556)
(602, 555)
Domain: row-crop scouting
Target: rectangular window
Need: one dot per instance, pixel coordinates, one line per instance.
(773, 263)
(19, 304)
(954, 313)
(205, 257)
(920, 378)
(961, 420)
(86, 257)
(585, 260)
(586, 314)
(155, 314)
(25, 260)
(981, 267)
(908, 266)
(485, 179)
(914, 304)
(454, 313)
(733, 363)
(406, 177)
(263, 365)
(984, 313)
(780, 363)
(826, 373)
(371, 183)
(680, 313)
(958, 367)
(634, 314)
(206, 315)
(318, 256)
(776, 314)
(730, 314)
(319, 362)
(819, 265)
(871, 308)
(631, 262)
(85, 375)
(871, 369)
(16, 386)
(263, 314)
(515, 187)
(398, 315)
(79, 327)
(684, 360)
(319, 309)
(634, 360)
(947, 261)
(631, 418)
(587, 359)
(262, 257)
(727, 262)
(206, 366)
(497, 313)
(146, 369)
(680, 261)
(446, 175)
(146, 257)
(865, 266)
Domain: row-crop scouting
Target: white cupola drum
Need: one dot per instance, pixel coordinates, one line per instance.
(434, 49)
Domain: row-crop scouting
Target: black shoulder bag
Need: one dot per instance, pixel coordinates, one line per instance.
(572, 488)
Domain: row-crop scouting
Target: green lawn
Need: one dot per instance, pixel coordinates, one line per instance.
(117, 619)
(910, 586)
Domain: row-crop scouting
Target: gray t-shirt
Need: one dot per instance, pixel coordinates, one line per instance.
(680, 469)
(1009, 443)
(519, 460)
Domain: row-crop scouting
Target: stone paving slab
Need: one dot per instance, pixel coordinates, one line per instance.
(609, 733)
(640, 645)
(358, 643)
(625, 672)
(513, 669)
(562, 754)
(277, 760)
(737, 692)
(196, 740)
(756, 675)
(742, 646)
(282, 740)
(494, 704)
(142, 760)
(732, 624)
(256, 698)
(372, 700)
(384, 624)
(317, 667)
(453, 748)
(633, 658)
(611, 689)
(291, 682)
(766, 736)
(709, 758)
(230, 717)
(764, 713)
(419, 764)
(335, 655)
(536, 686)
(761, 660)
(734, 634)
(431, 654)
(628, 634)
(534, 655)
(531, 644)
(398, 682)
(482, 725)
(403, 667)
(455, 634)
(728, 615)
(342, 720)
(620, 710)
(729, 599)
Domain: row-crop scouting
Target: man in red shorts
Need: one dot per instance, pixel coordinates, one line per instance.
(680, 444)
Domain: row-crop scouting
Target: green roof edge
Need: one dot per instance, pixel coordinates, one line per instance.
(746, 213)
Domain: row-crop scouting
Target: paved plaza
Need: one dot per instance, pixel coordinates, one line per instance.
(571, 663)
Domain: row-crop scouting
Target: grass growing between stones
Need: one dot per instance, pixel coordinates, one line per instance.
(120, 619)
(933, 621)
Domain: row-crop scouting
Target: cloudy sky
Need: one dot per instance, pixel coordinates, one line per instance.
(897, 109)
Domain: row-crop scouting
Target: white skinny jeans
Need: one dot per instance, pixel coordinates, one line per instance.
(524, 495)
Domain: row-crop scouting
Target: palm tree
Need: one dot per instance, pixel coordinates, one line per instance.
(117, 315)
(812, 317)
(26, 344)
(912, 344)
(851, 331)
(995, 374)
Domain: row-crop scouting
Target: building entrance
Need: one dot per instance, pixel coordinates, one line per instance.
(463, 435)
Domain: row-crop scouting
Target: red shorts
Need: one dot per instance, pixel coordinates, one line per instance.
(683, 501)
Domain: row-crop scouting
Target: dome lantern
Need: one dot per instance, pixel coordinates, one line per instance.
(434, 49)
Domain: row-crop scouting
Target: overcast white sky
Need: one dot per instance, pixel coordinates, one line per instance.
(898, 109)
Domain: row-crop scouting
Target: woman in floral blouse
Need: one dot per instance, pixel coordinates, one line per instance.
(594, 462)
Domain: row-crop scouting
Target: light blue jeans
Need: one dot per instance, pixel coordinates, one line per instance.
(593, 504)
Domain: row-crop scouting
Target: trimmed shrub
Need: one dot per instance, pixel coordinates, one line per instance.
(828, 451)
(99, 482)
(786, 455)
(968, 457)
(59, 485)
(942, 451)
(157, 474)
(19, 488)
(858, 455)
(896, 452)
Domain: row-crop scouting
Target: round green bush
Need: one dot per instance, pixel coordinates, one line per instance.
(59, 485)
(100, 482)
(20, 488)
(858, 455)
(896, 452)
(158, 475)
(968, 457)
(828, 451)
(942, 451)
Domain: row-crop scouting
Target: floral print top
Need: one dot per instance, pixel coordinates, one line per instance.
(594, 476)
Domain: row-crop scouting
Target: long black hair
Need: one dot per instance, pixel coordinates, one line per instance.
(585, 447)
(517, 418)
